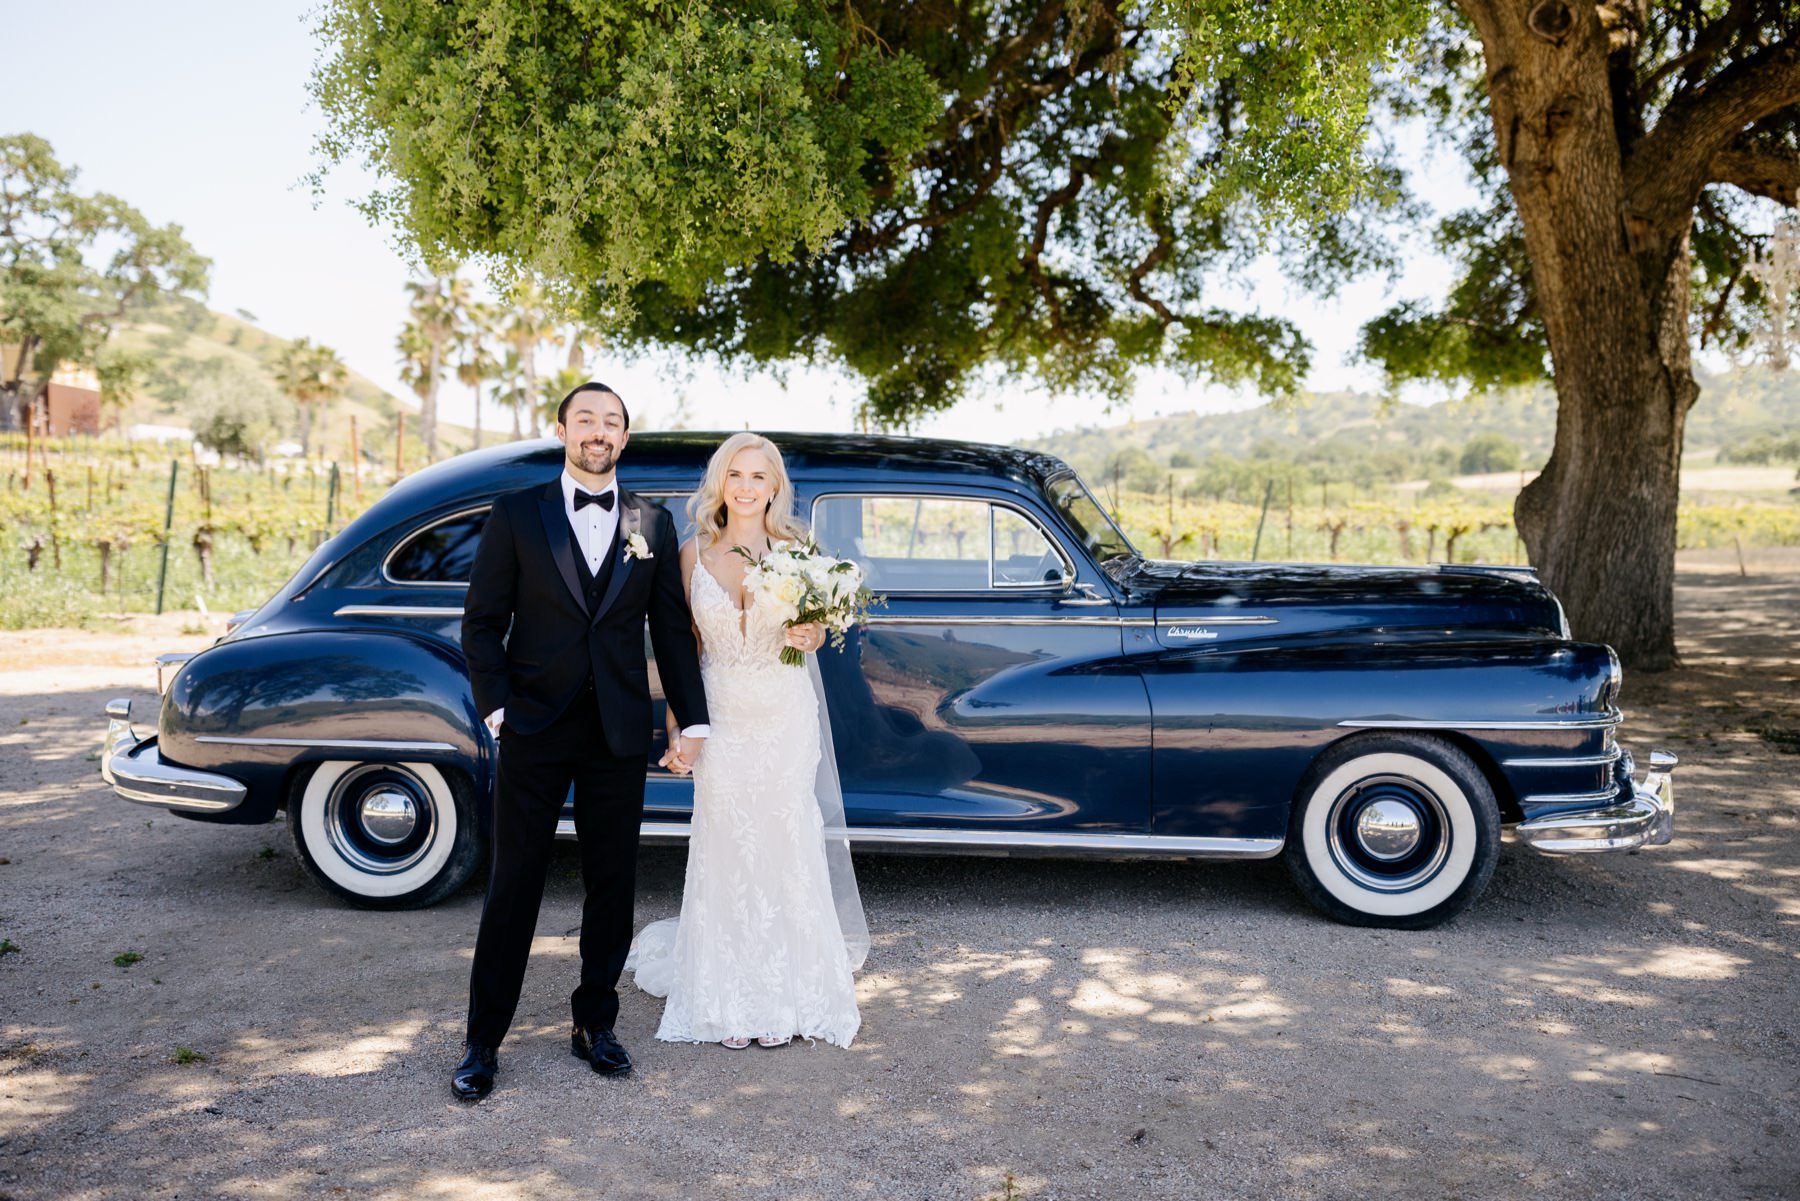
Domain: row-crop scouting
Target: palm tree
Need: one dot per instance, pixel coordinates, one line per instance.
(475, 362)
(509, 391)
(551, 390)
(530, 322)
(313, 377)
(436, 310)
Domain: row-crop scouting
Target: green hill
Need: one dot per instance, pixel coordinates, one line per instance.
(1362, 439)
(182, 337)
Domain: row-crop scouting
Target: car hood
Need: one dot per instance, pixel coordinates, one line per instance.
(1206, 602)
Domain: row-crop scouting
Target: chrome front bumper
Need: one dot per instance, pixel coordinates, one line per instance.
(1647, 819)
(136, 771)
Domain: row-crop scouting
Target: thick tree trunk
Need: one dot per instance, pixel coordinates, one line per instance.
(1599, 523)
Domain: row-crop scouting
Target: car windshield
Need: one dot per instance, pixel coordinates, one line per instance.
(1085, 516)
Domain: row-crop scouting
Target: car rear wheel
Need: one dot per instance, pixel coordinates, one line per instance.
(1396, 830)
(386, 835)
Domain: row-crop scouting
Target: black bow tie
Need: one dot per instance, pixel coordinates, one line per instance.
(584, 499)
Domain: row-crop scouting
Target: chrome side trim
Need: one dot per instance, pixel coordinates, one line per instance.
(1606, 760)
(1054, 841)
(135, 770)
(1004, 841)
(336, 744)
(398, 611)
(1572, 798)
(1613, 718)
(1210, 620)
(894, 620)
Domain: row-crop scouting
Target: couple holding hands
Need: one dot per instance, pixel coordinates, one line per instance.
(771, 926)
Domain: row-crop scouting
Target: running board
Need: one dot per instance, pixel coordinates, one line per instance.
(1005, 842)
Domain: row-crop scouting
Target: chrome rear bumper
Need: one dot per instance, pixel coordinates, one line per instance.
(1647, 819)
(136, 771)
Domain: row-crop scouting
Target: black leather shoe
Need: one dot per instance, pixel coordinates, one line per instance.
(474, 1076)
(601, 1051)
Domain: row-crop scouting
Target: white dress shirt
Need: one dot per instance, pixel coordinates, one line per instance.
(594, 529)
(594, 526)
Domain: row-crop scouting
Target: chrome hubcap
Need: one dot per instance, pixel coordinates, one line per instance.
(1388, 833)
(1388, 829)
(389, 816)
(380, 818)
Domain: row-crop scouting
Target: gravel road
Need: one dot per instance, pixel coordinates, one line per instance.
(1617, 1026)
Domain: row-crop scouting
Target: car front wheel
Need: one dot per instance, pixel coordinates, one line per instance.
(1396, 830)
(386, 835)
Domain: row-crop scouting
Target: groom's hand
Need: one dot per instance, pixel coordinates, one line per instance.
(683, 751)
(494, 719)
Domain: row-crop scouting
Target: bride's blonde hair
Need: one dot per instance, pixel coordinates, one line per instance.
(707, 505)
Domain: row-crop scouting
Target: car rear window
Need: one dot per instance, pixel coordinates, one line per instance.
(439, 554)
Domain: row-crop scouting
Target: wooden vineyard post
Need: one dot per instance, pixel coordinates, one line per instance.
(162, 573)
(1268, 495)
(331, 492)
(355, 462)
(55, 537)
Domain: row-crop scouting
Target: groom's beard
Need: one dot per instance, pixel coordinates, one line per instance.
(595, 457)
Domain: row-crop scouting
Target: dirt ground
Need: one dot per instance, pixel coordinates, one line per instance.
(1621, 1026)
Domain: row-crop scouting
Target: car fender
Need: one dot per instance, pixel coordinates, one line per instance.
(259, 709)
(1236, 729)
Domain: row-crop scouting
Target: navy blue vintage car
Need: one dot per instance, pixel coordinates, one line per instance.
(1033, 685)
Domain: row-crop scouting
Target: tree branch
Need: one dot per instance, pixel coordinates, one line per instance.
(1666, 170)
(1707, 43)
(1040, 232)
(1759, 171)
(1165, 245)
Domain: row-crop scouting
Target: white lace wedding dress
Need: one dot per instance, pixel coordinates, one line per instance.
(758, 948)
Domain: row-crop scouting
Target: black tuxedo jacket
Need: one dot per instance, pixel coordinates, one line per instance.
(525, 581)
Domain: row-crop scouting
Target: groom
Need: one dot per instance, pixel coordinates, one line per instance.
(571, 569)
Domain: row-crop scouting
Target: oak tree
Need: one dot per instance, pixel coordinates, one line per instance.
(72, 266)
(1622, 144)
(915, 191)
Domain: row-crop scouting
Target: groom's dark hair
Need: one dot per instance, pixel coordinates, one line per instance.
(562, 410)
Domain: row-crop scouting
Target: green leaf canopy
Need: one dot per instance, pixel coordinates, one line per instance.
(912, 190)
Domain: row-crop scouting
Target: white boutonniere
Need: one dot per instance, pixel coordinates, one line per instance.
(636, 547)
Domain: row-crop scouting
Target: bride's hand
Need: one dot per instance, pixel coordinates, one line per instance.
(807, 636)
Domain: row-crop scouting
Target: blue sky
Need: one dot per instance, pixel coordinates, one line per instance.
(198, 114)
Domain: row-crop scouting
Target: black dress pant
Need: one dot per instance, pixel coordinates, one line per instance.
(536, 771)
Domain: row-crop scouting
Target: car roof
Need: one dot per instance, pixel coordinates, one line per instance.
(515, 465)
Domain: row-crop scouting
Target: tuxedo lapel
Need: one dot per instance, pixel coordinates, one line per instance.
(630, 522)
(556, 532)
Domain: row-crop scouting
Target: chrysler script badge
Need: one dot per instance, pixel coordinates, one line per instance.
(1191, 632)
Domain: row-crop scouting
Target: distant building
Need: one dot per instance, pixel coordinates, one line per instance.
(71, 401)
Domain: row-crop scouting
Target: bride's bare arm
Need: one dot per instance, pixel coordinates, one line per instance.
(690, 555)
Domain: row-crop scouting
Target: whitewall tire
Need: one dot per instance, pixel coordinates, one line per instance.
(385, 835)
(1397, 830)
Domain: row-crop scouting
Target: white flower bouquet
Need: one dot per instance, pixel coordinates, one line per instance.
(807, 585)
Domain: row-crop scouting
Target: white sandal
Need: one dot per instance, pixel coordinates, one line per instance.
(736, 1044)
(773, 1040)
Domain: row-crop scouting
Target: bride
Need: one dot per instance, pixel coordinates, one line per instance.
(771, 925)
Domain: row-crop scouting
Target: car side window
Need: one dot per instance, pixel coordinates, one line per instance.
(1023, 556)
(443, 553)
(935, 543)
